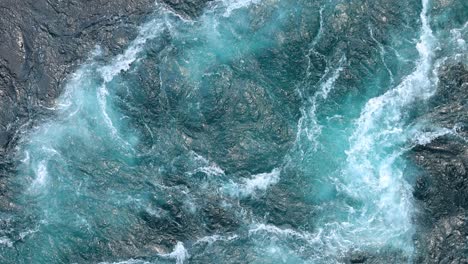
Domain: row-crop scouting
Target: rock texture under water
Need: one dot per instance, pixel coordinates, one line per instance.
(44, 41)
(442, 187)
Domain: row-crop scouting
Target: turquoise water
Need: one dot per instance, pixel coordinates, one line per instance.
(255, 133)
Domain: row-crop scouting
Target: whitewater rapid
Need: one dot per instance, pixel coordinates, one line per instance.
(137, 164)
(377, 207)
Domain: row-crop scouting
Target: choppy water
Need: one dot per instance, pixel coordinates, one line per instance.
(263, 131)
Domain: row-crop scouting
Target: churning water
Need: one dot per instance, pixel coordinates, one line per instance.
(262, 131)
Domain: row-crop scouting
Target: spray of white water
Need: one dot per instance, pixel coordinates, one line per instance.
(375, 207)
(309, 123)
(372, 178)
(374, 172)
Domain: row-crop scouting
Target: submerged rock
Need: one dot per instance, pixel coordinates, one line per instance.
(43, 41)
(442, 186)
(235, 134)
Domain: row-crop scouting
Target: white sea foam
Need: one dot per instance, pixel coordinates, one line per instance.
(211, 170)
(232, 5)
(424, 138)
(261, 228)
(320, 30)
(180, 254)
(257, 182)
(130, 261)
(459, 36)
(323, 247)
(214, 238)
(382, 53)
(260, 181)
(26, 158)
(313, 44)
(41, 174)
(122, 63)
(308, 123)
(6, 241)
(371, 174)
(28, 232)
(102, 94)
(204, 165)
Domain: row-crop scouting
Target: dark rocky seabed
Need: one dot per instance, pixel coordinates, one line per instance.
(269, 131)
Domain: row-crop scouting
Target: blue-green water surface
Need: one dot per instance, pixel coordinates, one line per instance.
(262, 131)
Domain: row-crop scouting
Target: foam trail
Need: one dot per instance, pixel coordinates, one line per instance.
(369, 204)
(41, 174)
(257, 182)
(260, 181)
(267, 228)
(122, 63)
(424, 138)
(377, 210)
(214, 238)
(373, 174)
(180, 254)
(205, 166)
(314, 43)
(459, 36)
(237, 4)
(382, 53)
(308, 122)
(6, 241)
(130, 261)
(76, 102)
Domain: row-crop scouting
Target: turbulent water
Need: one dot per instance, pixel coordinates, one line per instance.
(262, 131)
